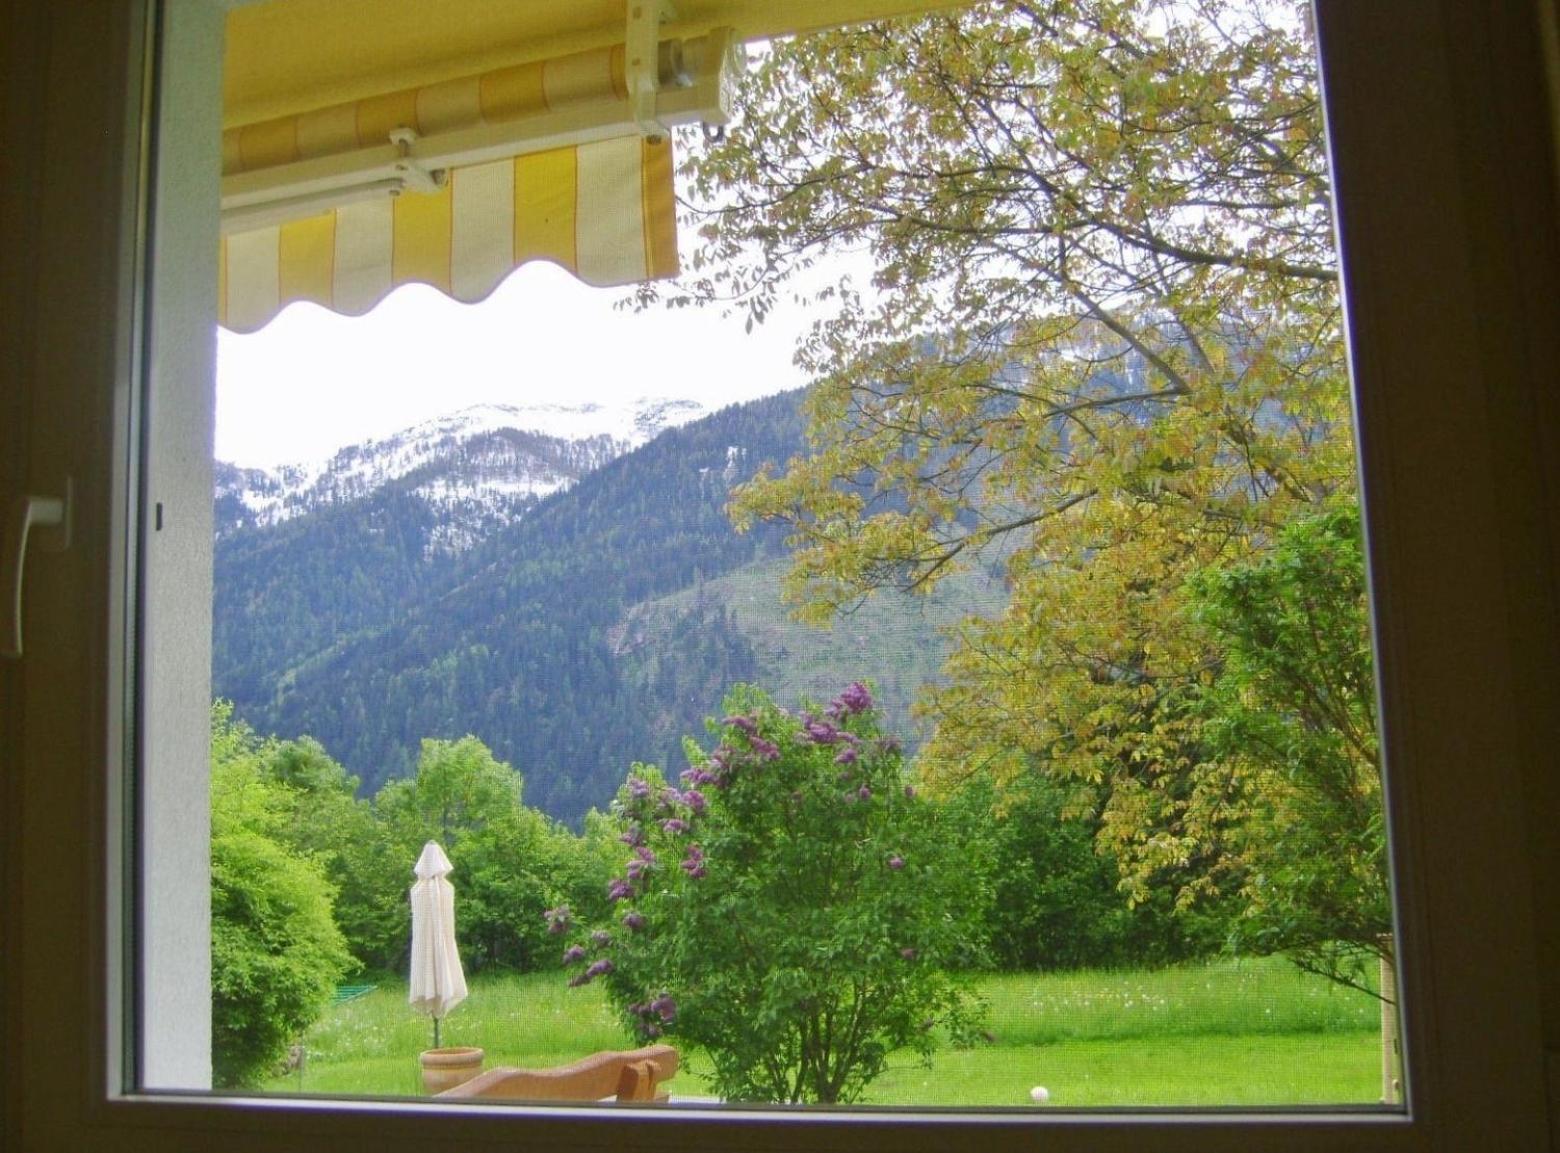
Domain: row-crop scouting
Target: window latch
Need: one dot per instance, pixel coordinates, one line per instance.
(48, 513)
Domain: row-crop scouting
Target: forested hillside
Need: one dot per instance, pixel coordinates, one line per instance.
(344, 625)
(599, 628)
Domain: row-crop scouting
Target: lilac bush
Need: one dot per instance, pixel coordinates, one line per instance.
(792, 907)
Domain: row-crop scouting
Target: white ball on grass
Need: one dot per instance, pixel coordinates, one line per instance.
(1039, 1094)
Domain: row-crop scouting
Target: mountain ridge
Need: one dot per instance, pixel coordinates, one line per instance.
(509, 455)
(600, 626)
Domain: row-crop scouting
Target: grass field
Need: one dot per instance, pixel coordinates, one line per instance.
(1230, 1033)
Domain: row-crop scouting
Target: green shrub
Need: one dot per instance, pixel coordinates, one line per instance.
(1055, 898)
(794, 909)
(276, 954)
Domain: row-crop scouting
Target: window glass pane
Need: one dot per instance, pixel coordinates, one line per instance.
(917, 656)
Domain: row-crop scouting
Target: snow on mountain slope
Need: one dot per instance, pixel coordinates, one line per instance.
(480, 467)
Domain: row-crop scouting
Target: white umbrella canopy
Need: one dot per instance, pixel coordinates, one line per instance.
(437, 982)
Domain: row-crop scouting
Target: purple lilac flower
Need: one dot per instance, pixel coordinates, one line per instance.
(674, 825)
(695, 801)
(643, 862)
(573, 954)
(766, 750)
(669, 798)
(638, 788)
(601, 938)
(557, 919)
(599, 968)
(747, 724)
(634, 835)
(865, 792)
(619, 889)
(693, 863)
(846, 756)
(634, 920)
(896, 862)
(855, 698)
(821, 732)
(664, 1007)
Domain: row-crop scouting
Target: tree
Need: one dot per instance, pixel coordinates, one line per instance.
(325, 820)
(1054, 900)
(1292, 782)
(793, 909)
(504, 853)
(1101, 350)
(276, 953)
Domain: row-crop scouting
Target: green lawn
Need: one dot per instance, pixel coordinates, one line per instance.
(1231, 1033)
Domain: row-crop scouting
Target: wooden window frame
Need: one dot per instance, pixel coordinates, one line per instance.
(1441, 130)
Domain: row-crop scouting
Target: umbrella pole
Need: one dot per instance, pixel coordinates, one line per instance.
(435, 1032)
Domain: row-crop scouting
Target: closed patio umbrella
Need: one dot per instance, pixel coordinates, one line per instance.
(437, 983)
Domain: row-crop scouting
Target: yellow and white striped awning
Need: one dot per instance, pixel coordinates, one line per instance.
(604, 209)
(369, 144)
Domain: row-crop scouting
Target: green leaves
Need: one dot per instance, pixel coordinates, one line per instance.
(791, 897)
(276, 953)
(1104, 356)
(309, 882)
(511, 862)
(1292, 711)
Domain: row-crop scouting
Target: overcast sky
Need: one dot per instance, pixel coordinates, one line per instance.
(311, 381)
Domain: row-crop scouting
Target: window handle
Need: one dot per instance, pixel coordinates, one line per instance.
(25, 514)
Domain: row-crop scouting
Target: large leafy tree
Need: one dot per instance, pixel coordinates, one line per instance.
(1100, 348)
(1291, 786)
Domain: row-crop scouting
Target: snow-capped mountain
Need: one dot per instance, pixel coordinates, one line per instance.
(479, 468)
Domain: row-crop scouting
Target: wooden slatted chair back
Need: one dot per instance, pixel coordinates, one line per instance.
(633, 1075)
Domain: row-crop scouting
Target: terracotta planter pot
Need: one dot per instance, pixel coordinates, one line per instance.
(446, 1068)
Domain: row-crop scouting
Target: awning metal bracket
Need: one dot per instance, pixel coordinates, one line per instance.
(414, 176)
(642, 63)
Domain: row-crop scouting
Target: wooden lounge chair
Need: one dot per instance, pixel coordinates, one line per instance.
(634, 1075)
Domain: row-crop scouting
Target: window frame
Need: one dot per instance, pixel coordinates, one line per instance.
(1449, 278)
